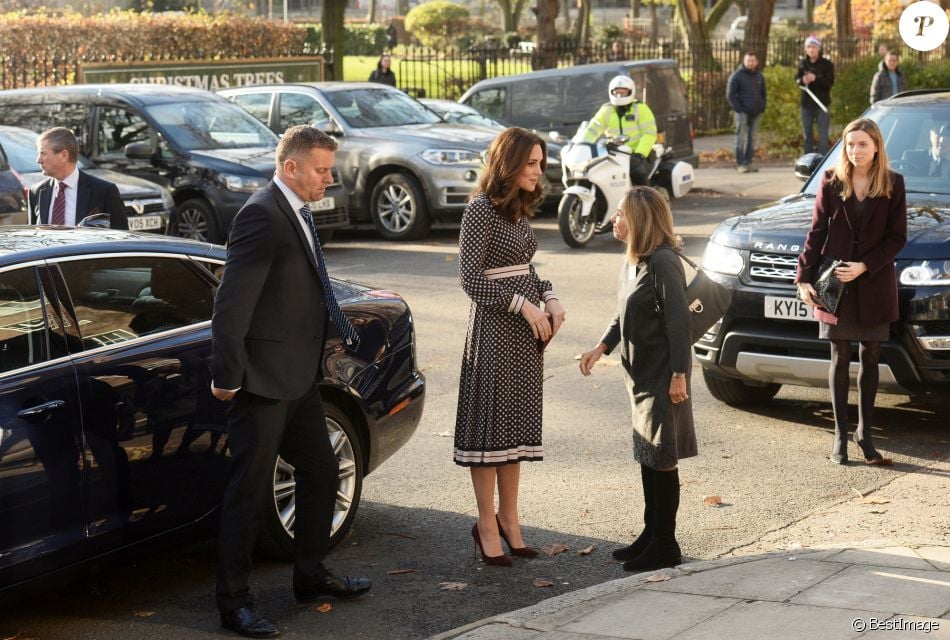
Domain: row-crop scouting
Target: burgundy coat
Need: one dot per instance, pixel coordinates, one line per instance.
(883, 235)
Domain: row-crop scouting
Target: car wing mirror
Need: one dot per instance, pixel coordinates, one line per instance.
(806, 165)
(96, 220)
(330, 128)
(139, 150)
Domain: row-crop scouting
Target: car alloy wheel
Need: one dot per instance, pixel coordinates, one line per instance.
(193, 221)
(399, 208)
(396, 208)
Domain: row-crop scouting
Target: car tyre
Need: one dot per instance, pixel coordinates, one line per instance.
(276, 537)
(736, 392)
(195, 220)
(399, 208)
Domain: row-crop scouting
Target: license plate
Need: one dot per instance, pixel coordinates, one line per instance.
(145, 223)
(322, 205)
(788, 309)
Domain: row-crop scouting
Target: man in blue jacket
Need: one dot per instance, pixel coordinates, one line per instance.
(746, 94)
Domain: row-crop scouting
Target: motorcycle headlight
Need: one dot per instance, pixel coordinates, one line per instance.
(926, 273)
(722, 259)
(450, 156)
(243, 184)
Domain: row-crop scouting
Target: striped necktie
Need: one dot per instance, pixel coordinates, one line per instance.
(58, 213)
(347, 331)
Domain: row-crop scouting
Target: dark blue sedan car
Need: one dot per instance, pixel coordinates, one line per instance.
(109, 435)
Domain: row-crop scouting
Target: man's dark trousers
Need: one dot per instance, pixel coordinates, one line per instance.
(258, 429)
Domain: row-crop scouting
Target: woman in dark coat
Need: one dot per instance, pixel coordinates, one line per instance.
(656, 355)
(382, 73)
(860, 217)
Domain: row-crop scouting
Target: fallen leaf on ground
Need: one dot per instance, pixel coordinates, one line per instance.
(877, 511)
(396, 572)
(876, 501)
(554, 549)
(712, 501)
(656, 577)
(541, 583)
(453, 586)
(444, 434)
(587, 550)
(326, 607)
(859, 494)
(726, 456)
(141, 614)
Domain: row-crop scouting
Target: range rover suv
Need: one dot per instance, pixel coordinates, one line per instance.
(769, 338)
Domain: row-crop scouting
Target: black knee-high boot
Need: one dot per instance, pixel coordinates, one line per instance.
(662, 550)
(649, 510)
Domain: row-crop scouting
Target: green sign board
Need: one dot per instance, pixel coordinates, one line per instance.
(210, 75)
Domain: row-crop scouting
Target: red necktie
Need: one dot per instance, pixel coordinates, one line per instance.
(59, 206)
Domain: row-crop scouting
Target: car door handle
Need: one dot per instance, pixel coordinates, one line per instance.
(40, 409)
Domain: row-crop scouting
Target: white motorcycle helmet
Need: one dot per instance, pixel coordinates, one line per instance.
(622, 82)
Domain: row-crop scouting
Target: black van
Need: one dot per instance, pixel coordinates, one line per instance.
(560, 99)
(210, 153)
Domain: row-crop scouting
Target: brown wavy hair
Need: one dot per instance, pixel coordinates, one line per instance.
(649, 223)
(508, 155)
(879, 174)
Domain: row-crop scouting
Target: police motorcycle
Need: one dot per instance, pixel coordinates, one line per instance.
(596, 176)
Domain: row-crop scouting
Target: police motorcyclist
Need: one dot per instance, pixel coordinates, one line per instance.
(626, 116)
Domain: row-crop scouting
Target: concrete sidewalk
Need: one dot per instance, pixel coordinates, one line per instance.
(827, 594)
(771, 181)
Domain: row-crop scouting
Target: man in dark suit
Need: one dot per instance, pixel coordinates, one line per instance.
(272, 313)
(933, 162)
(70, 194)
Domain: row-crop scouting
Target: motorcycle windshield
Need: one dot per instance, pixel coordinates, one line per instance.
(581, 131)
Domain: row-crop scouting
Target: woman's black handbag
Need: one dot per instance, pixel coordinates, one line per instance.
(708, 300)
(827, 286)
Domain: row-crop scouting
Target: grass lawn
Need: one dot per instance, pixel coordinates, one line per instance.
(358, 68)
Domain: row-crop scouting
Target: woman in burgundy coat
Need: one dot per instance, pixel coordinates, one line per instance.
(860, 217)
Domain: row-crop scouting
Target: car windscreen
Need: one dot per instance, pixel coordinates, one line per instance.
(198, 126)
(463, 114)
(20, 147)
(379, 107)
(911, 148)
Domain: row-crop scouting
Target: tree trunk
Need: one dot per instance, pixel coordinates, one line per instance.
(582, 28)
(371, 13)
(511, 13)
(635, 8)
(809, 13)
(332, 19)
(547, 45)
(844, 29)
(757, 29)
(691, 13)
(716, 13)
(654, 26)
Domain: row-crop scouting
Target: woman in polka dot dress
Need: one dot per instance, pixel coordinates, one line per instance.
(498, 423)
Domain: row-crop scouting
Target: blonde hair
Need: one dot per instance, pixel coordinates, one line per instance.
(879, 174)
(508, 155)
(649, 223)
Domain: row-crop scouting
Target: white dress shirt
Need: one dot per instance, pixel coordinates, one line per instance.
(72, 182)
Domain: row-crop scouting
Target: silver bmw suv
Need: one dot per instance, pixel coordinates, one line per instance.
(402, 167)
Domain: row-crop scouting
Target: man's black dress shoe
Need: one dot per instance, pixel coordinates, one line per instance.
(331, 585)
(246, 622)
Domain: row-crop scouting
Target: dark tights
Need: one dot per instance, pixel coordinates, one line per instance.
(839, 380)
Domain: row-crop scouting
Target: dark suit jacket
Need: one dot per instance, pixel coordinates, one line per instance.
(883, 234)
(919, 163)
(93, 195)
(270, 320)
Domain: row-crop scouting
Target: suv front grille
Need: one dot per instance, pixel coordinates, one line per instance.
(772, 268)
(148, 205)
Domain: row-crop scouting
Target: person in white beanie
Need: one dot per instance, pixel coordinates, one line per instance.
(817, 73)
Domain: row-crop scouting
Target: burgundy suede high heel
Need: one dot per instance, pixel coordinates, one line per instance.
(524, 552)
(498, 561)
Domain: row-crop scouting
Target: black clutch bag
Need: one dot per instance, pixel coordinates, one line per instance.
(827, 286)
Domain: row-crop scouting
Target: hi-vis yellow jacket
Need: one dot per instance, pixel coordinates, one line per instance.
(638, 123)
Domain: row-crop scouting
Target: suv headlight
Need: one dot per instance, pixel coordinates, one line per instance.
(168, 202)
(722, 259)
(926, 273)
(450, 156)
(243, 184)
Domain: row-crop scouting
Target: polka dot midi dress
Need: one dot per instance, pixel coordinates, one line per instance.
(500, 391)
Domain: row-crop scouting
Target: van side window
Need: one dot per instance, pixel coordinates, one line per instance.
(117, 128)
(256, 104)
(296, 108)
(672, 86)
(40, 117)
(490, 101)
(540, 101)
(585, 93)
